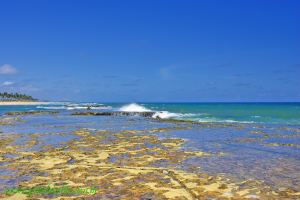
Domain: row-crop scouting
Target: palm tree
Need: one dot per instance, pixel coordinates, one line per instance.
(15, 96)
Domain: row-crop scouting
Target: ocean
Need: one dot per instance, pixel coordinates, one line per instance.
(266, 113)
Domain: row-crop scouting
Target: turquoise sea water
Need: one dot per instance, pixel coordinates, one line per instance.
(270, 113)
(286, 113)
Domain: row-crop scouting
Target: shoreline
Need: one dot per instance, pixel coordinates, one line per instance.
(23, 103)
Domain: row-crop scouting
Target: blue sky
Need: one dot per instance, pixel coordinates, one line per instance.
(151, 50)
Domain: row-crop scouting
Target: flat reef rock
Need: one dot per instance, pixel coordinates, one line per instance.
(130, 164)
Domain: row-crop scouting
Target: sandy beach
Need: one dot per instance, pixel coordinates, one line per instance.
(23, 103)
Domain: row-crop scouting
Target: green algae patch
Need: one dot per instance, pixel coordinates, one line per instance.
(48, 190)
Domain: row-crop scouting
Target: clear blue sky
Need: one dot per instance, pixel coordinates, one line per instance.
(243, 50)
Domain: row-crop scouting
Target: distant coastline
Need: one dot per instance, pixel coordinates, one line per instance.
(19, 99)
(21, 103)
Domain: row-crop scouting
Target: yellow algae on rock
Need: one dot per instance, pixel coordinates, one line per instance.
(243, 192)
(177, 193)
(103, 155)
(191, 184)
(211, 187)
(47, 163)
(17, 196)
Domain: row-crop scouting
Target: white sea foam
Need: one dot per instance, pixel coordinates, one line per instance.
(168, 115)
(212, 119)
(256, 116)
(84, 106)
(52, 107)
(101, 107)
(165, 115)
(133, 107)
(76, 107)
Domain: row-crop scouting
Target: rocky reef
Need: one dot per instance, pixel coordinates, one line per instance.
(120, 164)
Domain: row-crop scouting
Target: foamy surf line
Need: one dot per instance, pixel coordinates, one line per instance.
(134, 107)
(84, 106)
(140, 109)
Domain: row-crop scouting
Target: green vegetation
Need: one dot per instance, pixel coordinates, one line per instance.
(4, 96)
(47, 190)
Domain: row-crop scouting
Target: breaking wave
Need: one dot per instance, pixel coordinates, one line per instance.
(168, 115)
(165, 115)
(193, 117)
(133, 107)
